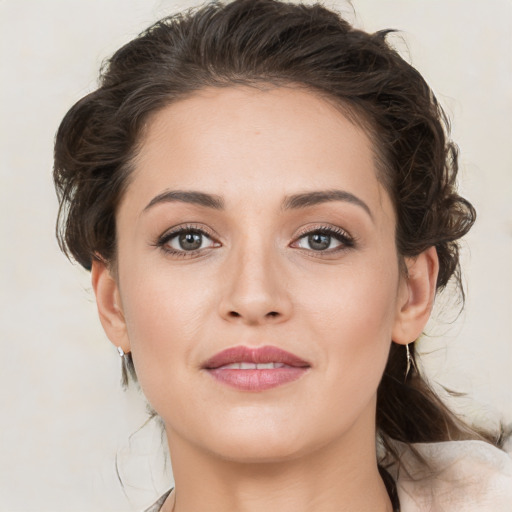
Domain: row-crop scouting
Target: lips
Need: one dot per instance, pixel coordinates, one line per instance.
(255, 369)
(260, 355)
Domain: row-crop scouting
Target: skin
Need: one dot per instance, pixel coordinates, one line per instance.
(308, 445)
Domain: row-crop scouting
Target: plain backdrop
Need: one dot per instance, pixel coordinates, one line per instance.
(65, 422)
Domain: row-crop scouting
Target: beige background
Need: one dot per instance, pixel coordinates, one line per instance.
(64, 418)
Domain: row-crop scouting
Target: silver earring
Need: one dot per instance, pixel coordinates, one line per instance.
(121, 351)
(410, 361)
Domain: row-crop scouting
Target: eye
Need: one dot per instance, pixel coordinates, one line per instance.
(186, 241)
(325, 239)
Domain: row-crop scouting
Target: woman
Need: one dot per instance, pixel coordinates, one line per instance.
(266, 200)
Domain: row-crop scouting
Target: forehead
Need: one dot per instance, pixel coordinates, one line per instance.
(270, 142)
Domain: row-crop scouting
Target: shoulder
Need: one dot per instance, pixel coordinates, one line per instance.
(463, 476)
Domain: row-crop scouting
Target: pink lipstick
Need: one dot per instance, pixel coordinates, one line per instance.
(255, 369)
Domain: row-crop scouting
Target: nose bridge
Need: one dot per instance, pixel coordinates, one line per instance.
(255, 290)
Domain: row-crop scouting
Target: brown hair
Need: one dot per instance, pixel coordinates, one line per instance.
(257, 42)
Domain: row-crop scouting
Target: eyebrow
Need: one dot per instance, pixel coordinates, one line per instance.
(323, 196)
(187, 196)
(293, 202)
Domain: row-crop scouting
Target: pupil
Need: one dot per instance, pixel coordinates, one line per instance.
(319, 241)
(190, 241)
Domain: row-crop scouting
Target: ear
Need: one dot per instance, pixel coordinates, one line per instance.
(416, 296)
(108, 301)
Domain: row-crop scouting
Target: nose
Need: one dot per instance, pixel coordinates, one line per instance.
(254, 291)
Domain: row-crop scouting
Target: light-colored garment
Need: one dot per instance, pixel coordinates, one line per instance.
(464, 476)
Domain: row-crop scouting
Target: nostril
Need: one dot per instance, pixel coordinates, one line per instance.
(234, 314)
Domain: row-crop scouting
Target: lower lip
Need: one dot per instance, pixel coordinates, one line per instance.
(257, 380)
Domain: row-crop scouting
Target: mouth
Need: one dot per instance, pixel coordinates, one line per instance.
(255, 369)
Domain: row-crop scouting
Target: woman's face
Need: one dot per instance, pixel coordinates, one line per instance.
(255, 219)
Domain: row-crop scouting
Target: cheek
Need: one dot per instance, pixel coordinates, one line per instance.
(351, 316)
(160, 299)
(164, 315)
(359, 299)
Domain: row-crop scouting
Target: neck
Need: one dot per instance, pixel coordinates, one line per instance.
(341, 476)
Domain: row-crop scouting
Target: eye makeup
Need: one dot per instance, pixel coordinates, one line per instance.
(190, 240)
(186, 241)
(320, 238)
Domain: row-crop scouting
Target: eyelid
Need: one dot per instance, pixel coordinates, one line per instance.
(327, 228)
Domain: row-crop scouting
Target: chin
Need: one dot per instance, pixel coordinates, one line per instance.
(259, 449)
(266, 441)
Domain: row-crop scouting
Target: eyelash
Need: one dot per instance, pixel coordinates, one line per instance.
(189, 228)
(346, 240)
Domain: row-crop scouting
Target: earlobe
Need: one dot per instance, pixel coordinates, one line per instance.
(417, 296)
(108, 301)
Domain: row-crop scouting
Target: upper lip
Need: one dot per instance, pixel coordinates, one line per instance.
(266, 354)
